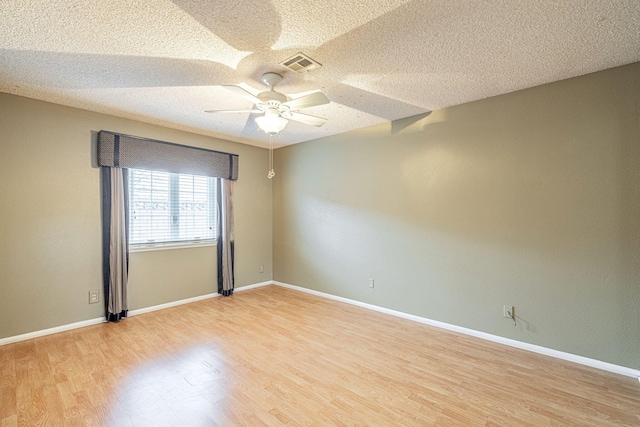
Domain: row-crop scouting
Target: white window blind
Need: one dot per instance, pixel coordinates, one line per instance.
(167, 209)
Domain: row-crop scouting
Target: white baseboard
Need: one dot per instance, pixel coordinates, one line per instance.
(82, 324)
(144, 310)
(189, 300)
(622, 370)
(62, 328)
(255, 285)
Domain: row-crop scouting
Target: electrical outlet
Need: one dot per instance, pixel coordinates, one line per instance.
(94, 296)
(371, 283)
(507, 311)
(261, 269)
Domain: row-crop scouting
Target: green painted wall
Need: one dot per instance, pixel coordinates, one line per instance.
(50, 239)
(530, 199)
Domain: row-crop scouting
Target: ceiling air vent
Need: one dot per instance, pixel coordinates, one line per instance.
(300, 63)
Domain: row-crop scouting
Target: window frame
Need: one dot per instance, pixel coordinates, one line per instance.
(174, 198)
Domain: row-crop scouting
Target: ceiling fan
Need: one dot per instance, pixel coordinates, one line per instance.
(278, 109)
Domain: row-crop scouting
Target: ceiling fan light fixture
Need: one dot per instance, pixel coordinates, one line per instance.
(277, 107)
(271, 124)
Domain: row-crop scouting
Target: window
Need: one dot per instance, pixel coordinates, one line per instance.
(168, 209)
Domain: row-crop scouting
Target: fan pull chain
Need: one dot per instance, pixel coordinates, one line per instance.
(271, 173)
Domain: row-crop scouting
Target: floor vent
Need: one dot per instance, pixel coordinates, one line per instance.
(300, 63)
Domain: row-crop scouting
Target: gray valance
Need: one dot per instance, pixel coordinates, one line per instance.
(125, 151)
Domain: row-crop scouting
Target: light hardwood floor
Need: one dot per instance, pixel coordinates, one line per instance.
(274, 356)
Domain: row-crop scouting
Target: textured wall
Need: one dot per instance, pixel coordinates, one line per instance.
(50, 238)
(530, 199)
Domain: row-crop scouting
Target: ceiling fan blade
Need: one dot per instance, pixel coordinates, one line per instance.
(307, 119)
(243, 93)
(311, 100)
(233, 111)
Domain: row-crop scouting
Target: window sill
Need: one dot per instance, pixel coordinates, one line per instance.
(168, 246)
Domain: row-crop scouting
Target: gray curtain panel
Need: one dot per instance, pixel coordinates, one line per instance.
(115, 232)
(225, 237)
(116, 153)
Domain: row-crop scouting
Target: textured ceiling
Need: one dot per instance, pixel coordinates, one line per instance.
(162, 62)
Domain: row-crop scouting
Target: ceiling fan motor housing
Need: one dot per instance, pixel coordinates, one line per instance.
(272, 97)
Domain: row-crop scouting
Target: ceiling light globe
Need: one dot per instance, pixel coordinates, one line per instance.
(271, 124)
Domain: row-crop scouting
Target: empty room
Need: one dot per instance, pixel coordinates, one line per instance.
(328, 213)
